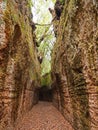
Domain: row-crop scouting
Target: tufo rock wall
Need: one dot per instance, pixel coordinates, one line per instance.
(19, 67)
(75, 64)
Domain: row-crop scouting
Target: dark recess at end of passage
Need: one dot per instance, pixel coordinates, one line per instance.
(45, 94)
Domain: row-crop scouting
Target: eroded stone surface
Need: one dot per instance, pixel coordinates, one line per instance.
(19, 67)
(75, 64)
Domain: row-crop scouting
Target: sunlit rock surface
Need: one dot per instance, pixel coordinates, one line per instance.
(19, 67)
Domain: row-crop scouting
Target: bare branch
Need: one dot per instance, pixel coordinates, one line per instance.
(43, 24)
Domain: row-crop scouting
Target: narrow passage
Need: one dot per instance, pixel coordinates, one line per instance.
(44, 116)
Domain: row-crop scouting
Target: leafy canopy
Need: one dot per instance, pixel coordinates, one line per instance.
(45, 34)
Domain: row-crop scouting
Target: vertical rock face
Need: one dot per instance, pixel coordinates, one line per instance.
(19, 67)
(75, 64)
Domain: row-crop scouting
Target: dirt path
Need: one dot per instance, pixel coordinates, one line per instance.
(44, 116)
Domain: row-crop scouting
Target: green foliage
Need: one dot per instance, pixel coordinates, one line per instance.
(62, 1)
(46, 80)
(4, 0)
(45, 66)
(53, 1)
(45, 35)
(30, 3)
